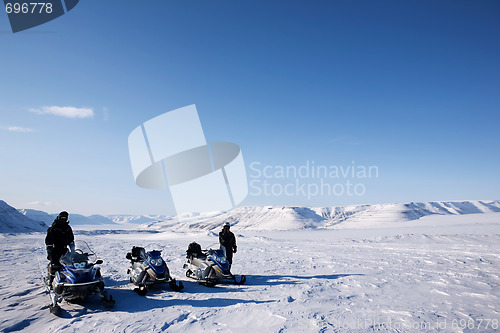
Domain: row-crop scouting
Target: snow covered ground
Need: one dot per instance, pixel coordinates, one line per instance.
(436, 273)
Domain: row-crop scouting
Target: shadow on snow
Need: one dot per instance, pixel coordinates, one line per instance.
(128, 301)
(272, 280)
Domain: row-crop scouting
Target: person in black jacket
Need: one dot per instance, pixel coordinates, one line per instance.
(227, 243)
(59, 236)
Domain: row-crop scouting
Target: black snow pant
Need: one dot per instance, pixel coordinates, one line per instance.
(55, 265)
(229, 255)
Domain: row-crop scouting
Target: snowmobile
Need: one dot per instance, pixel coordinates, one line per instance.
(148, 268)
(209, 267)
(78, 278)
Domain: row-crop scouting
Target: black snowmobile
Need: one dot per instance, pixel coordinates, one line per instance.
(209, 267)
(78, 278)
(148, 268)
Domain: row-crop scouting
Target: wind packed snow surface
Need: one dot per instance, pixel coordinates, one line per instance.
(442, 275)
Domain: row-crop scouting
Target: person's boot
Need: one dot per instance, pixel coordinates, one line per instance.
(51, 278)
(53, 268)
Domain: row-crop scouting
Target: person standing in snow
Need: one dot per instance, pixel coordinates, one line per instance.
(227, 243)
(59, 236)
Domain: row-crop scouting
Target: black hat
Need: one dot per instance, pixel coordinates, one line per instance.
(63, 214)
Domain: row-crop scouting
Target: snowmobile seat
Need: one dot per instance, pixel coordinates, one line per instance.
(194, 250)
(54, 267)
(138, 254)
(201, 255)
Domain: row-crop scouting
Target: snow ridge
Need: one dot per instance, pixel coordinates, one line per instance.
(293, 218)
(12, 221)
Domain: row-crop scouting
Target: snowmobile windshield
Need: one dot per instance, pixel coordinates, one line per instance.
(153, 247)
(154, 257)
(80, 256)
(153, 254)
(218, 256)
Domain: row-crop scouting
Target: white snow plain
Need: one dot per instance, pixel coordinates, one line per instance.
(437, 273)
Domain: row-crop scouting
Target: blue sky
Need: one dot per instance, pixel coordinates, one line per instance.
(411, 87)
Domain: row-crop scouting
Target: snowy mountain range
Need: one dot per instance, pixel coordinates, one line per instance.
(78, 219)
(257, 218)
(75, 219)
(293, 218)
(11, 220)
